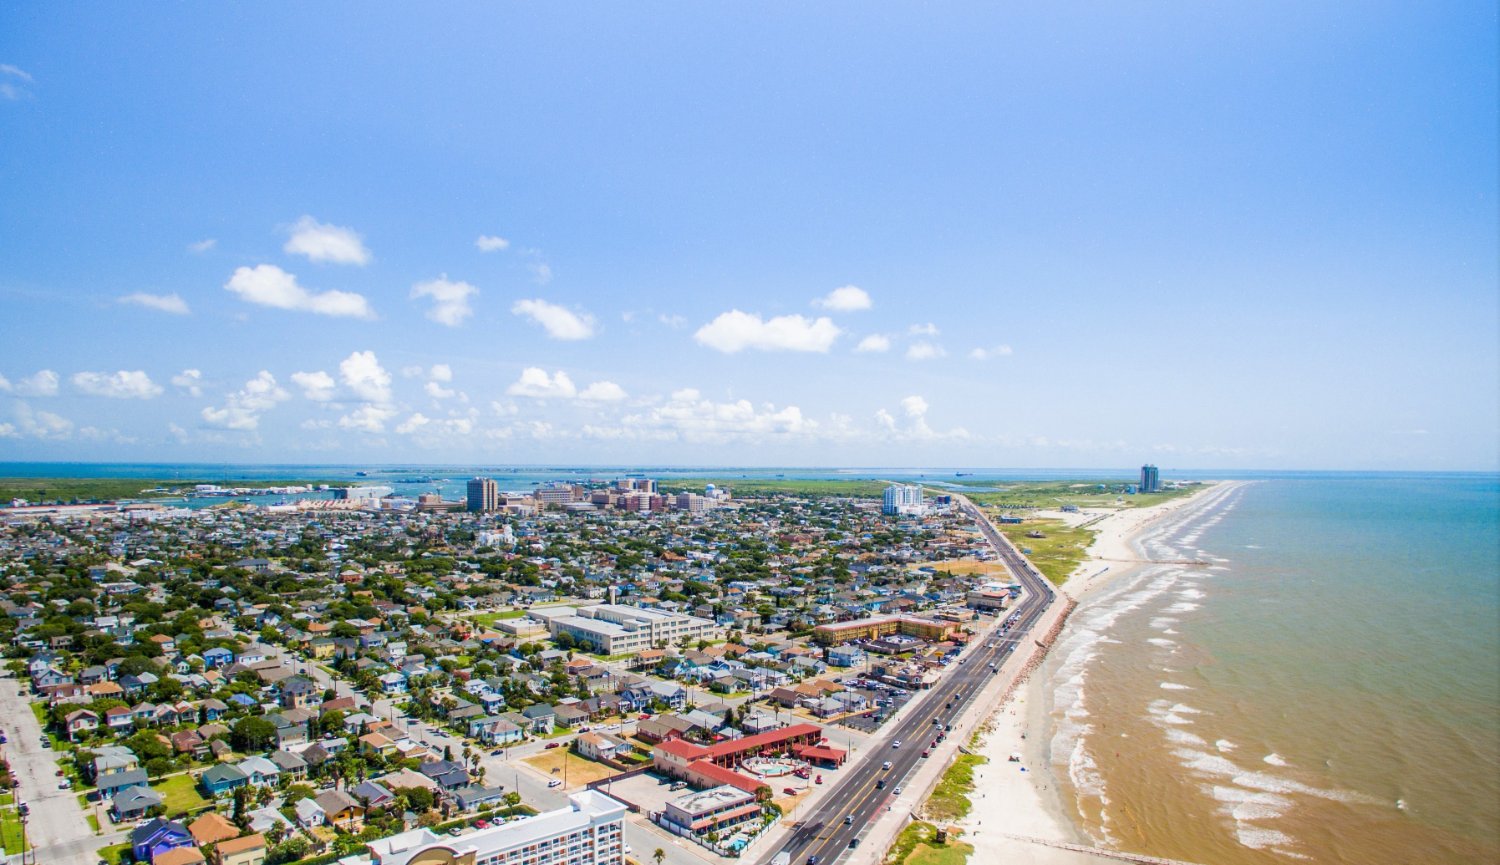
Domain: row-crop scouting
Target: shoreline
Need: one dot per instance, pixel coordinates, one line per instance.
(1023, 798)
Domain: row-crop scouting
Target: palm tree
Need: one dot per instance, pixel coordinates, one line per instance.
(659, 854)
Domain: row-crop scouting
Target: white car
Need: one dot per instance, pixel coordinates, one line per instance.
(896, 744)
(554, 783)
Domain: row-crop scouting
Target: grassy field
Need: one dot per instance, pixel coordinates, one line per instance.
(10, 830)
(950, 799)
(106, 489)
(488, 620)
(114, 853)
(968, 567)
(1085, 494)
(1058, 552)
(180, 793)
(580, 771)
(917, 845)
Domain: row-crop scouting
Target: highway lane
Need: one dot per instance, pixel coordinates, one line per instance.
(859, 798)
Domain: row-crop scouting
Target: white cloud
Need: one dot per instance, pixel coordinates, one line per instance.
(203, 245)
(735, 331)
(559, 322)
(368, 418)
(914, 408)
(676, 322)
(437, 391)
(987, 353)
(441, 372)
(491, 243)
(534, 382)
(924, 350)
(172, 303)
(124, 384)
(190, 380)
(13, 81)
(269, 285)
(244, 407)
(603, 391)
(850, 298)
(450, 300)
(432, 428)
(317, 386)
(42, 383)
(362, 373)
(928, 329)
(688, 415)
(321, 242)
(31, 423)
(875, 342)
(541, 272)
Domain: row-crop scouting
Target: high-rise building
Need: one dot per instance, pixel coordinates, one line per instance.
(902, 499)
(484, 495)
(1150, 479)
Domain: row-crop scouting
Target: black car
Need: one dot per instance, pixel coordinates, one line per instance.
(853, 842)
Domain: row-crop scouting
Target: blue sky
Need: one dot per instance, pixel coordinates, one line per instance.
(984, 235)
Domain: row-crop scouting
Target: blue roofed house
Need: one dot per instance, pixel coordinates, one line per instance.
(221, 779)
(156, 837)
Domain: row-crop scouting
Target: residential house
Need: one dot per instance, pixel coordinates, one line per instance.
(259, 771)
(249, 850)
(133, 803)
(80, 723)
(111, 784)
(340, 808)
(220, 779)
(158, 836)
(212, 828)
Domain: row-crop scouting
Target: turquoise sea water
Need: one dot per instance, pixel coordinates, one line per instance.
(1328, 688)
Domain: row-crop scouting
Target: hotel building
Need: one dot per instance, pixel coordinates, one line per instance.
(589, 831)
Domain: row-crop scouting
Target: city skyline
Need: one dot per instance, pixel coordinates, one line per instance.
(1252, 238)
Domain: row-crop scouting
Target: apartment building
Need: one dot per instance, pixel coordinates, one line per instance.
(589, 831)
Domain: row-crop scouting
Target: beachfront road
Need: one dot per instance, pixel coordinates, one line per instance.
(855, 802)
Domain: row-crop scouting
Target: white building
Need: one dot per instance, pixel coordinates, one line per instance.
(587, 832)
(903, 499)
(617, 629)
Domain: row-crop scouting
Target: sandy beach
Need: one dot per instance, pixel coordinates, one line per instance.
(1020, 798)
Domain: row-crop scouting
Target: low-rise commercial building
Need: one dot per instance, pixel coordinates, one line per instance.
(883, 626)
(618, 629)
(713, 810)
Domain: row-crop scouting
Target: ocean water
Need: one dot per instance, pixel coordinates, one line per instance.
(1313, 674)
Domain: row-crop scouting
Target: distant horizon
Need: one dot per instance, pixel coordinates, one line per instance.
(5, 466)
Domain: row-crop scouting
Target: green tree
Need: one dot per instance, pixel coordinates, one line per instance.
(252, 734)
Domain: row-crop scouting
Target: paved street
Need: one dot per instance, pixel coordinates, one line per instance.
(57, 827)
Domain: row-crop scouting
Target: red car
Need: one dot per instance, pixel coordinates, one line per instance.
(481, 824)
(551, 745)
(790, 791)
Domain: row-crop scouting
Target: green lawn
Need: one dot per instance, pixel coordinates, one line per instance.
(67, 489)
(488, 620)
(1058, 552)
(950, 799)
(10, 831)
(917, 845)
(114, 853)
(180, 793)
(1085, 494)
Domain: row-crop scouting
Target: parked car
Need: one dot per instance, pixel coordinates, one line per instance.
(555, 782)
(551, 745)
(790, 791)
